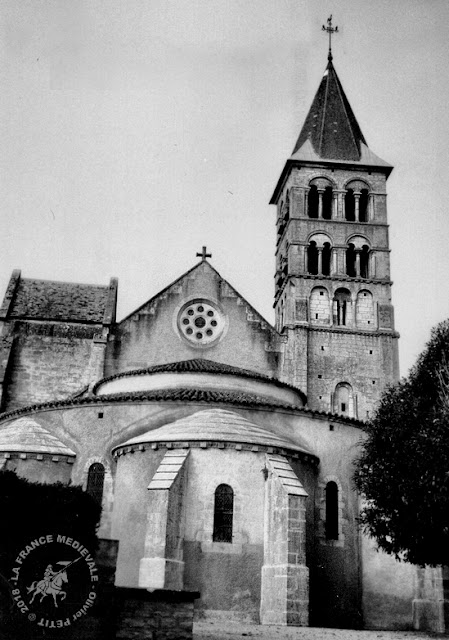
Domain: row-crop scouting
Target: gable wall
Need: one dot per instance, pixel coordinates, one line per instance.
(150, 336)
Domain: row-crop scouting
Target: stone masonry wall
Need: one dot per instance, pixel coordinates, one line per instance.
(160, 615)
(47, 364)
(364, 361)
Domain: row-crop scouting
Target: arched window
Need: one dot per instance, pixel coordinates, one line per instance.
(342, 301)
(95, 481)
(223, 513)
(312, 202)
(350, 261)
(363, 206)
(312, 258)
(350, 205)
(344, 401)
(331, 511)
(327, 203)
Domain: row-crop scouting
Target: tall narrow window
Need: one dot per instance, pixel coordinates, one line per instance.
(363, 206)
(327, 203)
(312, 258)
(350, 205)
(364, 262)
(350, 261)
(331, 511)
(95, 481)
(327, 254)
(223, 513)
(312, 202)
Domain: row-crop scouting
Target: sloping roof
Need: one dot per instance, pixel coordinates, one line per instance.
(201, 365)
(367, 157)
(169, 469)
(330, 134)
(218, 425)
(25, 435)
(331, 125)
(46, 299)
(29, 298)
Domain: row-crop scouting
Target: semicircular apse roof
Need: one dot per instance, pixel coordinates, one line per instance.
(217, 425)
(25, 435)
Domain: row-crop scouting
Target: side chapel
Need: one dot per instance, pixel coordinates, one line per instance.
(220, 447)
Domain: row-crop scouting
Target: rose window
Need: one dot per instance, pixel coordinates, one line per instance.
(200, 322)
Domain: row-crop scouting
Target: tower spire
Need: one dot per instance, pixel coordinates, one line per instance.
(330, 30)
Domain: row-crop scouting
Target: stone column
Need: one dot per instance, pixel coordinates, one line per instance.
(356, 206)
(357, 263)
(320, 203)
(334, 264)
(285, 577)
(320, 260)
(370, 207)
(372, 265)
(341, 205)
(334, 205)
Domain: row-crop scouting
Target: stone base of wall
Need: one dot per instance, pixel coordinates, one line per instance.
(154, 615)
(285, 595)
(431, 604)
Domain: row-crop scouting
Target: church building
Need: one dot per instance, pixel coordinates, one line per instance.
(221, 447)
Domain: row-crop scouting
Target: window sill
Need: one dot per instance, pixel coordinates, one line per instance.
(221, 547)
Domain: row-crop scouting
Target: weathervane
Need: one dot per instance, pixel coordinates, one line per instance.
(330, 31)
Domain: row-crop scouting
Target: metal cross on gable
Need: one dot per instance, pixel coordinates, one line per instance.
(204, 254)
(330, 30)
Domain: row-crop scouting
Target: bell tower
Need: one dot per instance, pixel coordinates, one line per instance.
(332, 281)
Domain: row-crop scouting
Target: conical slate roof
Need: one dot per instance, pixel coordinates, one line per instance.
(331, 125)
(25, 435)
(217, 425)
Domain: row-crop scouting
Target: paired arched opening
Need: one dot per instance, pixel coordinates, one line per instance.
(223, 513)
(320, 199)
(356, 202)
(342, 307)
(357, 259)
(319, 255)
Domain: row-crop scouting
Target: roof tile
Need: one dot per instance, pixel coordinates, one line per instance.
(49, 300)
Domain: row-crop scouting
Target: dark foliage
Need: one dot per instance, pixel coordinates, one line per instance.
(30, 510)
(403, 471)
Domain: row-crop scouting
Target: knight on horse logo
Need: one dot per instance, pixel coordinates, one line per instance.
(52, 582)
(70, 582)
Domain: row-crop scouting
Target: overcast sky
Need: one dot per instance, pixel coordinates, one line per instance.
(134, 132)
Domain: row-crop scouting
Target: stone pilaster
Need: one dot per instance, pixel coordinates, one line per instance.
(285, 578)
(162, 566)
(431, 602)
